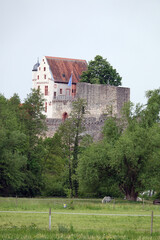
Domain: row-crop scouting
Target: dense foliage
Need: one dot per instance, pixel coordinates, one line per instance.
(128, 154)
(20, 144)
(124, 163)
(101, 72)
(70, 132)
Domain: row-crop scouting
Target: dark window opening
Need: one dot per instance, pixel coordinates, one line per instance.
(46, 91)
(60, 90)
(45, 106)
(83, 110)
(73, 90)
(64, 116)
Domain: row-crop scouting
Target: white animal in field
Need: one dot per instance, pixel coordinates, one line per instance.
(106, 199)
(139, 199)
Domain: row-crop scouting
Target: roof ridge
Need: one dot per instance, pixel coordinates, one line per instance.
(68, 59)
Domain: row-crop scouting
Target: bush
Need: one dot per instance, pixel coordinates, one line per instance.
(54, 188)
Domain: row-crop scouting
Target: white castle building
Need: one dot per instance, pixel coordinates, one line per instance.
(52, 76)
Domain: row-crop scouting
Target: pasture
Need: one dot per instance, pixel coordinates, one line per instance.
(23, 218)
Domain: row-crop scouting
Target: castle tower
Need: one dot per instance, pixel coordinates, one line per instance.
(51, 76)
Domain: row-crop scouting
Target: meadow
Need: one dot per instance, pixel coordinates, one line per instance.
(23, 218)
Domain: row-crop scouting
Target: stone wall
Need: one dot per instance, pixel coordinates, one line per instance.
(92, 125)
(52, 125)
(100, 100)
(59, 107)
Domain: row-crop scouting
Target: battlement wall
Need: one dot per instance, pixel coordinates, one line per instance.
(101, 99)
(93, 126)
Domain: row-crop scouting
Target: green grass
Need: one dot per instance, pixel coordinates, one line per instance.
(63, 226)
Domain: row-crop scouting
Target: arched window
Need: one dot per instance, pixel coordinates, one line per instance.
(64, 116)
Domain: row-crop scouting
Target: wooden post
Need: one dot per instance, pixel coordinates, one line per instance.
(50, 219)
(151, 222)
(114, 201)
(16, 201)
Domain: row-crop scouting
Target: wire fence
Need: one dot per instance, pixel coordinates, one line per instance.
(17, 203)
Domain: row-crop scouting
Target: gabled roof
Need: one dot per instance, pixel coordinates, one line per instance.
(62, 68)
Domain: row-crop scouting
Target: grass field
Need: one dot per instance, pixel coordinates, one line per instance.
(22, 218)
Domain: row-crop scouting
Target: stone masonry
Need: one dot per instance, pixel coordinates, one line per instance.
(101, 100)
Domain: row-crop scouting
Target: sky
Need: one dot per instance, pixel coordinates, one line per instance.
(125, 32)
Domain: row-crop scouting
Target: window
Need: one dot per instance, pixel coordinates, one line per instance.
(83, 110)
(46, 91)
(39, 68)
(63, 75)
(73, 90)
(44, 76)
(54, 94)
(44, 68)
(60, 90)
(64, 116)
(38, 77)
(45, 106)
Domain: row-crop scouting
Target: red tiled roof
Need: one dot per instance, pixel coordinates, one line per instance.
(62, 68)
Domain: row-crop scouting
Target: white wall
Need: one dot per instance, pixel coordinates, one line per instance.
(42, 82)
(52, 88)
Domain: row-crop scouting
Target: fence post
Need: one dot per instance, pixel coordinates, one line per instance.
(16, 201)
(50, 219)
(151, 222)
(114, 202)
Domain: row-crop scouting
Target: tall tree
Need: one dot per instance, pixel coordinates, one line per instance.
(95, 175)
(152, 110)
(34, 126)
(21, 148)
(13, 145)
(33, 117)
(53, 167)
(132, 150)
(71, 134)
(100, 71)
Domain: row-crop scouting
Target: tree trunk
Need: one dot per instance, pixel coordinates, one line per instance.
(131, 194)
(74, 165)
(70, 178)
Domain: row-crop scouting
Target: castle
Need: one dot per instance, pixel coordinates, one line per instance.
(51, 76)
(59, 80)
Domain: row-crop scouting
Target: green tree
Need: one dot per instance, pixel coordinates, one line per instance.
(53, 167)
(132, 150)
(13, 144)
(33, 125)
(129, 152)
(21, 146)
(66, 132)
(96, 178)
(152, 110)
(33, 117)
(101, 72)
(71, 134)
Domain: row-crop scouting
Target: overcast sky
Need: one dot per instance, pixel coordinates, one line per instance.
(125, 32)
